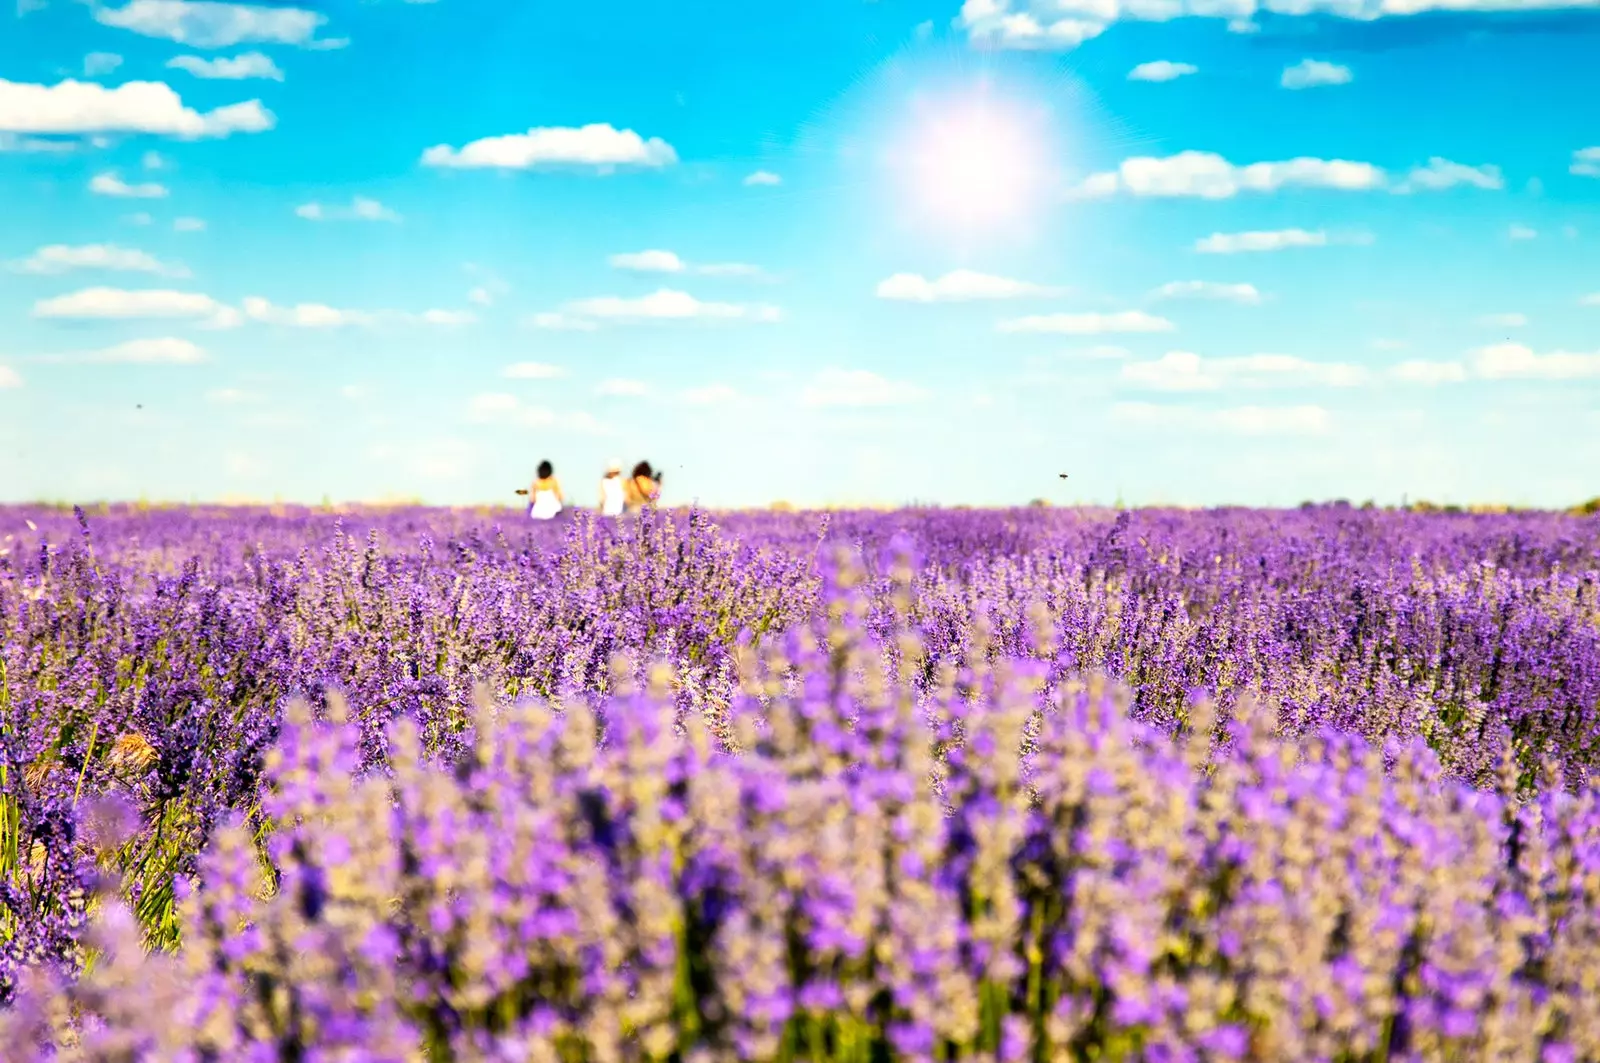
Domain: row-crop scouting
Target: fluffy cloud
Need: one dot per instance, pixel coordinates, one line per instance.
(74, 107)
(1234, 293)
(109, 184)
(1064, 24)
(1161, 70)
(9, 378)
(188, 225)
(360, 209)
(1274, 240)
(1522, 232)
(501, 408)
(1089, 324)
(1309, 73)
(1586, 162)
(320, 316)
(116, 304)
(1186, 371)
(664, 304)
(166, 351)
(96, 64)
(201, 24)
(1504, 320)
(1241, 420)
(1514, 361)
(533, 371)
(1440, 174)
(598, 145)
(958, 286)
(60, 258)
(618, 387)
(239, 68)
(763, 177)
(655, 261)
(1207, 175)
(857, 388)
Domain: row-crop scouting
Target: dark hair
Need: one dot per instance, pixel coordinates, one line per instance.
(643, 469)
(545, 469)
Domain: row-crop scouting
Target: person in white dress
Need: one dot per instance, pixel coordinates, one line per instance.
(545, 501)
(612, 495)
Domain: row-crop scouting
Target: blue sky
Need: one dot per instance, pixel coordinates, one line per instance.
(840, 252)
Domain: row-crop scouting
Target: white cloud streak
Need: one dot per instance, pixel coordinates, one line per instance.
(113, 304)
(202, 24)
(1206, 175)
(598, 146)
(361, 208)
(1186, 371)
(62, 258)
(1310, 73)
(79, 107)
(1272, 240)
(1585, 162)
(1161, 70)
(1233, 293)
(763, 177)
(1241, 420)
(168, 350)
(962, 285)
(665, 304)
(239, 68)
(109, 184)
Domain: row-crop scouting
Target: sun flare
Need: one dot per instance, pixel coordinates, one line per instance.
(973, 161)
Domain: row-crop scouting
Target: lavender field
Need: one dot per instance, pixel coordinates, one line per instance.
(931, 785)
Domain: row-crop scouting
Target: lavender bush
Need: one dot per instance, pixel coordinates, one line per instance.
(719, 795)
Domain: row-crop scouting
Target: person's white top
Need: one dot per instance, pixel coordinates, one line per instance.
(611, 497)
(546, 504)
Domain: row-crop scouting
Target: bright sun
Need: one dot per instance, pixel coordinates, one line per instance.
(973, 161)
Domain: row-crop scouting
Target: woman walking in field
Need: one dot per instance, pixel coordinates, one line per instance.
(644, 487)
(613, 492)
(545, 500)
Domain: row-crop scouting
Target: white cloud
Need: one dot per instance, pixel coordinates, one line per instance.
(215, 25)
(1063, 24)
(1235, 293)
(111, 304)
(1440, 174)
(618, 387)
(138, 218)
(1207, 175)
(188, 225)
(533, 371)
(648, 262)
(480, 297)
(1186, 371)
(239, 68)
(1590, 300)
(153, 160)
(73, 107)
(447, 318)
(109, 184)
(1161, 70)
(596, 145)
(1504, 320)
(10, 142)
(1514, 361)
(958, 286)
(1586, 162)
(663, 304)
(60, 258)
(361, 208)
(1522, 232)
(858, 387)
(1242, 420)
(304, 315)
(1275, 240)
(169, 350)
(1309, 73)
(96, 64)
(9, 378)
(763, 177)
(1089, 323)
(1429, 373)
(501, 408)
(710, 395)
